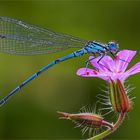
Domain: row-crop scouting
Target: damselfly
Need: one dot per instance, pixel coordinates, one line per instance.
(20, 38)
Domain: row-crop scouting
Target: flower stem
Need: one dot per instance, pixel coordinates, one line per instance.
(109, 131)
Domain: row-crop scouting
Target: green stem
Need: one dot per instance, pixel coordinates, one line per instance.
(109, 131)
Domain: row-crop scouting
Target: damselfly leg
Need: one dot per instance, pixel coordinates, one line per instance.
(102, 56)
(116, 57)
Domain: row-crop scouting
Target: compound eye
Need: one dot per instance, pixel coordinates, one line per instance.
(113, 46)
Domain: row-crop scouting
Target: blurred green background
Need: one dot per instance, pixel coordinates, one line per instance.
(31, 113)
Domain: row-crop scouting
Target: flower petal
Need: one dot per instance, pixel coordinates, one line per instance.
(133, 70)
(86, 72)
(105, 64)
(123, 58)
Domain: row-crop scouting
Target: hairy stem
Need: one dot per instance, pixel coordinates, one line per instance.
(109, 130)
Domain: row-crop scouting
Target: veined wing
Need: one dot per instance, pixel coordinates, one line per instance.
(17, 37)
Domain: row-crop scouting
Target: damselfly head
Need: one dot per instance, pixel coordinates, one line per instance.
(113, 47)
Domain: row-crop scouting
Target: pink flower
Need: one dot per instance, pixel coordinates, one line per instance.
(108, 68)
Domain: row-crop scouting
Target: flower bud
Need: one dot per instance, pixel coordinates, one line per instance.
(118, 97)
(86, 119)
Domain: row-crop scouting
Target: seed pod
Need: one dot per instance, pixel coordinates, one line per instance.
(86, 119)
(118, 97)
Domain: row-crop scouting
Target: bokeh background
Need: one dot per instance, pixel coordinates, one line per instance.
(31, 113)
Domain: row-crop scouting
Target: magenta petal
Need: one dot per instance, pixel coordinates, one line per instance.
(105, 64)
(133, 70)
(86, 72)
(123, 58)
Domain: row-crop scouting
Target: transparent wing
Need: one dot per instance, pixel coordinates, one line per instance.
(17, 37)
